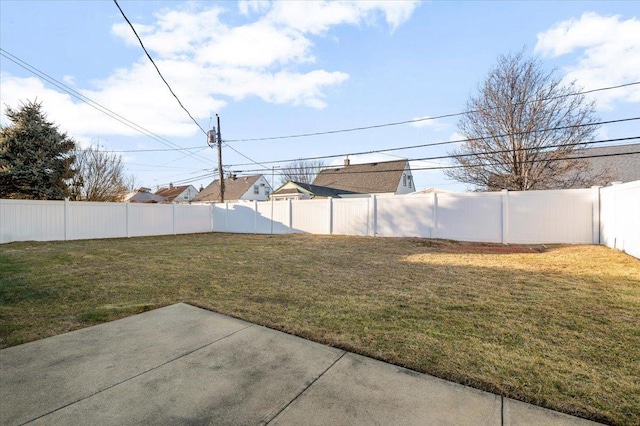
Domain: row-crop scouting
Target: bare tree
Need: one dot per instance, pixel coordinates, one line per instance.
(521, 126)
(302, 171)
(100, 176)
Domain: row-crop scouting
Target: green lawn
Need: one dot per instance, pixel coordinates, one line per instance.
(556, 326)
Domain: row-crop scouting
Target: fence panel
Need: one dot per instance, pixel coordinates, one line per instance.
(310, 216)
(219, 218)
(30, 220)
(280, 211)
(240, 218)
(620, 217)
(352, 216)
(88, 220)
(564, 216)
(150, 219)
(470, 217)
(404, 216)
(191, 219)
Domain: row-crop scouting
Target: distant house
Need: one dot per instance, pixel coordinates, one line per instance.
(620, 163)
(144, 195)
(304, 191)
(388, 177)
(178, 194)
(430, 191)
(255, 187)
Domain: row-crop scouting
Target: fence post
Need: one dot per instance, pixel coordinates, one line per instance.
(173, 225)
(66, 219)
(595, 215)
(226, 216)
(375, 215)
(368, 215)
(127, 219)
(255, 217)
(434, 224)
(2, 221)
(614, 214)
(330, 207)
(290, 216)
(212, 211)
(505, 216)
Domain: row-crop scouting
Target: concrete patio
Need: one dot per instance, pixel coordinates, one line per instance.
(185, 365)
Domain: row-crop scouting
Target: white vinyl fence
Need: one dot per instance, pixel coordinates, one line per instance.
(23, 220)
(620, 217)
(566, 216)
(608, 216)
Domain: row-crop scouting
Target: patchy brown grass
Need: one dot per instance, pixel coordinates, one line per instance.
(556, 326)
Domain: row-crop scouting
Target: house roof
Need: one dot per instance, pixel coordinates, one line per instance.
(316, 190)
(621, 163)
(172, 192)
(233, 189)
(363, 178)
(143, 196)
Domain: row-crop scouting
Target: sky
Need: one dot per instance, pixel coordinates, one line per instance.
(272, 69)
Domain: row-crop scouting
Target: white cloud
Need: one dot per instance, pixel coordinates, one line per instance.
(424, 121)
(257, 45)
(608, 49)
(208, 62)
(455, 136)
(69, 80)
(246, 7)
(317, 17)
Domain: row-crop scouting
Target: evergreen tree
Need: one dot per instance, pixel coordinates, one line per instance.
(35, 157)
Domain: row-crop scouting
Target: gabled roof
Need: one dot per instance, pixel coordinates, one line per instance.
(317, 191)
(234, 188)
(144, 196)
(621, 163)
(363, 178)
(172, 192)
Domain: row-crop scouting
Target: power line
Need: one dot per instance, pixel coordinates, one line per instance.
(443, 157)
(165, 81)
(425, 145)
(615, 154)
(112, 114)
(101, 108)
(241, 154)
(189, 180)
(416, 120)
(156, 67)
(122, 151)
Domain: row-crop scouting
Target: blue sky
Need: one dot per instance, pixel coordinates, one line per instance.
(286, 68)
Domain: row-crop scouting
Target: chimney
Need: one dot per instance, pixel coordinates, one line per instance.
(171, 186)
(347, 162)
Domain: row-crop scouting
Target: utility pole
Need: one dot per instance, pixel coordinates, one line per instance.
(220, 172)
(212, 137)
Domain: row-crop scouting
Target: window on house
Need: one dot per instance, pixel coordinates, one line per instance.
(404, 180)
(266, 192)
(410, 181)
(256, 189)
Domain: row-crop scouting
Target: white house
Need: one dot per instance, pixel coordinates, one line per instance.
(304, 191)
(381, 178)
(249, 188)
(178, 194)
